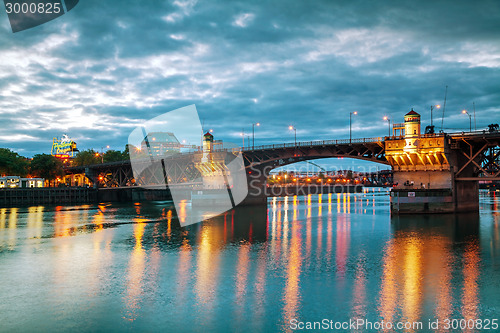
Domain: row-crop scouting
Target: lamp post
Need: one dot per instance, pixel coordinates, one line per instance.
(350, 128)
(243, 136)
(432, 108)
(294, 129)
(470, 119)
(253, 134)
(102, 153)
(389, 122)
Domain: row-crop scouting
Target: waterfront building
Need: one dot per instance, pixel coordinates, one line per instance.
(18, 182)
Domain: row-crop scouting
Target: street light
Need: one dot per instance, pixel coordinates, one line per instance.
(102, 156)
(432, 108)
(102, 153)
(350, 128)
(294, 129)
(253, 134)
(389, 121)
(470, 119)
(243, 136)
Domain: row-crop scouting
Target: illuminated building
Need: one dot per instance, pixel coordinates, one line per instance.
(423, 172)
(161, 143)
(16, 182)
(212, 167)
(414, 156)
(412, 124)
(208, 145)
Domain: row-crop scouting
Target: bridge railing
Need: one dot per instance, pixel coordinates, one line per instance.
(477, 133)
(314, 143)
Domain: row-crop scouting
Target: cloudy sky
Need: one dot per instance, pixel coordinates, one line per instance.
(100, 70)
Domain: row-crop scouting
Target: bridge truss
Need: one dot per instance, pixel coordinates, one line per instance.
(478, 156)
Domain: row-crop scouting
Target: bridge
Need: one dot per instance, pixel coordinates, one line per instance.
(260, 158)
(431, 172)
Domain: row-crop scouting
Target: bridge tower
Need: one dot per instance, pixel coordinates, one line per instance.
(412, 125)
(208, 145)
(424, 167)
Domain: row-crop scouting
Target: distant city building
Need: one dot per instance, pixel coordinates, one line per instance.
(160, 143)
(16, 182)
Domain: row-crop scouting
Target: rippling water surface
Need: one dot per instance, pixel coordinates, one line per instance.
(340, 256)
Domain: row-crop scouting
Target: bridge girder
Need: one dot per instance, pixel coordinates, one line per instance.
(120, 173)
(479, 158)
(277, 157)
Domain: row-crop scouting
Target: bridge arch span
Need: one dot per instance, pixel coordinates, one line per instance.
(262, 161)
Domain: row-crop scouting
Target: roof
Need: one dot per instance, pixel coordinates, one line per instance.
(412, 113)
(208, 134)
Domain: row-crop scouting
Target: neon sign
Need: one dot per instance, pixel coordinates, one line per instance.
(63, 148)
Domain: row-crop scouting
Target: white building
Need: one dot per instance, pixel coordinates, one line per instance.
(18, 182)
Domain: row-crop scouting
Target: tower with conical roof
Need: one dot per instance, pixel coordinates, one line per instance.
(412, 124)
(208, 146)
(412, 131)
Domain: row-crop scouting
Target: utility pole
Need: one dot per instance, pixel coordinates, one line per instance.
(444, 107)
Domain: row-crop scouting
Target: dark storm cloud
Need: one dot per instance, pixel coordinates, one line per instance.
(99, 70)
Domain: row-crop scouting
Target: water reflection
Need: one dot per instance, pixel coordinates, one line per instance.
(343, 233)
(207, 271)
(136, 272)
(35, 222)
(301, 257)
(12, 229)
(420, 262)
(8, 226)
(359, 305)
(470, 290)
(291, 296)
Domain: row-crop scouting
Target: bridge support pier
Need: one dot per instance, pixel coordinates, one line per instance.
(257, 181)
(91, 175)
(461, 197)
(425, 179)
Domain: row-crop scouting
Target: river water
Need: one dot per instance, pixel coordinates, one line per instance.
(336, 257)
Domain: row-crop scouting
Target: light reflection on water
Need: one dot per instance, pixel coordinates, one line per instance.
(335, 256)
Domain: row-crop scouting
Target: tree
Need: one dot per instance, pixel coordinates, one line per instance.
(46, 166)
(125, 153)
(113, 156)
(87, 157)
(11, 163)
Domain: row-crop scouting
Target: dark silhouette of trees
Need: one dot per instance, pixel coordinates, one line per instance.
(86, 157)
(12, 164)
(46, 166)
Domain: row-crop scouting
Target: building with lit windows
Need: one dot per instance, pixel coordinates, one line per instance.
(161, 143)
(18, 182)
